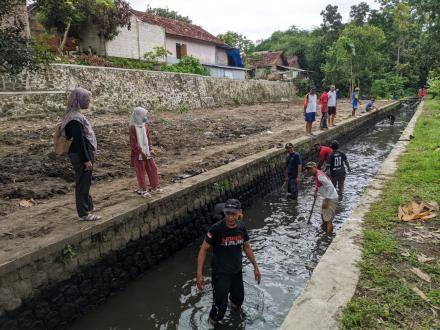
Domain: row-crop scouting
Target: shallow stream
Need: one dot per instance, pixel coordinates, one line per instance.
(286, 248)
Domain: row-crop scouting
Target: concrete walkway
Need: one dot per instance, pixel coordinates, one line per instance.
(334, 280)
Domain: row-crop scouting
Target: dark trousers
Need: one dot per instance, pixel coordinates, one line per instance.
(224, 285)
(323, 123)
(83, 181)
(292, 187)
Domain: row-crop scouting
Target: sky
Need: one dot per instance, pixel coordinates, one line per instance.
(256, 19)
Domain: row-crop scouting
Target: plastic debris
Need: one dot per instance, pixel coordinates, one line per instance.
(418, 210)
(27, 203)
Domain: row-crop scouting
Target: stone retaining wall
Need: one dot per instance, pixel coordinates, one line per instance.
(119, 90)
(53, 285)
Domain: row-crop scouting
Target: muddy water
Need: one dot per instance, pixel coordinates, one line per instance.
(287, 250)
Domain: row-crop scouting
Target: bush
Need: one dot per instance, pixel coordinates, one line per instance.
(302, 86)
(388, 85)
(434, 84)
(42, 53)
(127, 63)
(187, 64)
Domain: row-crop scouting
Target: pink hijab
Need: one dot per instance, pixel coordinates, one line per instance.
(79, 99)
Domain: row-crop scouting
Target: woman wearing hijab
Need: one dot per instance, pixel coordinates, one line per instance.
(82, 150)
(142, 152)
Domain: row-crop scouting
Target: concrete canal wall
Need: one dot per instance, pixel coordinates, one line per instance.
(56, 283)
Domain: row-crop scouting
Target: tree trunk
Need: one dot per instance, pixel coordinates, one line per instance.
(63, 42)
(398, 59)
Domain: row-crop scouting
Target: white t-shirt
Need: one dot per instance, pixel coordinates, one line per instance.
(311, 105)
(326, 189)
(332, 98)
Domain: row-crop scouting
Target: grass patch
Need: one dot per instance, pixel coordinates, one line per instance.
(385, 296)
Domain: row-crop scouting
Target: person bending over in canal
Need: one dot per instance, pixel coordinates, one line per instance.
(227, 237)
(82, 150)
(325, 187)
(310, 102)
(338, 162)
(323, 153)
(142, 154)
(293, 171)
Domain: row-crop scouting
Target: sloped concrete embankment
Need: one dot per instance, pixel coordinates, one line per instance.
(60, 278)
(334, 279)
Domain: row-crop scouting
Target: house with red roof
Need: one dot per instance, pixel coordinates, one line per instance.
(178, 38)
(275, 65)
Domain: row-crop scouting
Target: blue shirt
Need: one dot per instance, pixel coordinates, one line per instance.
(354, 99)
(369, 106)
(292, 161)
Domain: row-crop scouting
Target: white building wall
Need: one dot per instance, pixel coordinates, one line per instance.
(133, 43)
(222, 56)
(206, 53)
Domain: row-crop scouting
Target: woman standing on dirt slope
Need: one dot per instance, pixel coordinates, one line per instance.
(82, 150)
(142, 152)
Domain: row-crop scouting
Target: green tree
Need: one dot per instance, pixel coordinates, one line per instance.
(359, 13)
(69, 17)
(237, 40)
(109, 16)
(16, 53)
(331, 18)
(360, 50)
(167, 13)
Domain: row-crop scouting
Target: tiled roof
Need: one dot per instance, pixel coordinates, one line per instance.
(179, 28)
(267, 59)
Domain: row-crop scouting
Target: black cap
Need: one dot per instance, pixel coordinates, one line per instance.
(232, 205)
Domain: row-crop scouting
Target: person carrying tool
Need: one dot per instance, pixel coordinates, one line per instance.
(227, 237)
(293, 171)
(338, 161)
(325, 187)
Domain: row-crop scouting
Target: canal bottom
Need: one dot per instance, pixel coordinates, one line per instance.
(287, 250)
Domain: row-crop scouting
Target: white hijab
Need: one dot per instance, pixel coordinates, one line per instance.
(138, 120)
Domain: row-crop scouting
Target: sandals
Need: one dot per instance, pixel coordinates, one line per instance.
(90, 217)
(156, 191)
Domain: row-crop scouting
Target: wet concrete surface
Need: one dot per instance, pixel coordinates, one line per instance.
(286, 247)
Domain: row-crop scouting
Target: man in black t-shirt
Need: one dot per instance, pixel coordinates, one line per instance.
(337, 160)
(227, 237)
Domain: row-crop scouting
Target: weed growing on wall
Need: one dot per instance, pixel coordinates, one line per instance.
(67, 254)
(183, 108)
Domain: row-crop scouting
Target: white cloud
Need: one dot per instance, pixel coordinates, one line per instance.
(255, 19)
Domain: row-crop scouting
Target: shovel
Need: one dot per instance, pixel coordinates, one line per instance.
(311, 211)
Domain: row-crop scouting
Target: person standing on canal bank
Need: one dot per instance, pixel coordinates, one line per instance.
(310, 102)
(142, 154)
(77, 128)
(338, 162)
(293, 171)
(355, 101)
(323, 100)
(228, 238)
(332, 97)
(325, 187)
